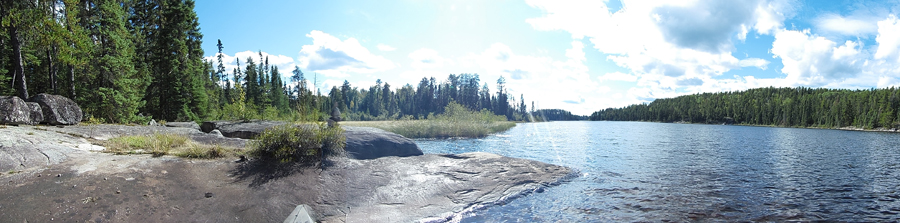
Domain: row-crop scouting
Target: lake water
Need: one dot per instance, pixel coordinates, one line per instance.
(635, 171)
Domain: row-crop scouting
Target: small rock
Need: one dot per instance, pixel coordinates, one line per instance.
(129, 179)
(118, 192)
(539, 190)
(39, 175)
(208, 195)
(58, 175)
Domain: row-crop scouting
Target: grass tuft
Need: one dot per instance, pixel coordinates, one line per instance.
(203, 152)
(166, 144)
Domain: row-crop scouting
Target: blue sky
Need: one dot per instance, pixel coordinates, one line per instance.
(581, 56)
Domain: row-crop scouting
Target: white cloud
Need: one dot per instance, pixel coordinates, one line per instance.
(335, 58)
(427, 58)
(672, 44)
(888, 38)
(675, 48)
(384, 47)
(754, 62)
(550, 83)
(812, 60)
(618, 76)
(770, 15)
(845, 26)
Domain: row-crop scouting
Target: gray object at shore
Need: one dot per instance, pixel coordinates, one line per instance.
(301, 214)
(372, 143)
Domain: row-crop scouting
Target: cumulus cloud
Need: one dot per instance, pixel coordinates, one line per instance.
(334, 57)
(888, 39)
(672, 48)
(706, 25)
(672, 44)
(812, 60)
(427, 58)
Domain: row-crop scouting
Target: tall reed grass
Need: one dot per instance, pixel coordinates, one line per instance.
(457, 121)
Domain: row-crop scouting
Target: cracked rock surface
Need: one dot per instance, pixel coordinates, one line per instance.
(139, 188)
(23, 147)
(63, 180)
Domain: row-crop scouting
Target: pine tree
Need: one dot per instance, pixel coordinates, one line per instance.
(223, 77)
(177, 90)
(120, 86)
(251, 81)
(502, 102)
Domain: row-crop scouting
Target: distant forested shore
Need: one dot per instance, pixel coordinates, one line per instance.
(546, 115)
(789, 107)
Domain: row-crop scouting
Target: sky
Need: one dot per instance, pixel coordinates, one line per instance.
(581, 56)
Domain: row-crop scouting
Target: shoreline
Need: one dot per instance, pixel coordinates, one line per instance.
(89, 185)
(846, 128)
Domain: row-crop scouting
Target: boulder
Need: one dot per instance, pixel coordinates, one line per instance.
(14, 111)
(58, 110)
(208, 126)
(35, 111)
(247, 129)
(372, 143)
(192, 125)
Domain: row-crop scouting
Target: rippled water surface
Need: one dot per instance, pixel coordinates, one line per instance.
(634, 171)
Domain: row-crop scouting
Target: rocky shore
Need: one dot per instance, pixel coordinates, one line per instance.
(56, 174)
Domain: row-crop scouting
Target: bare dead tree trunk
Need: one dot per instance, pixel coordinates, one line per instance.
(51, 71)
(18, 67)
(72, 93)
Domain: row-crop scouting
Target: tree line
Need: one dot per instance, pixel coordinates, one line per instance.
(127, 61)
(120, 60)
(556, 115)
(792, 107)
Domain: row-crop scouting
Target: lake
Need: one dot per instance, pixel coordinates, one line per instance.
(636, 171)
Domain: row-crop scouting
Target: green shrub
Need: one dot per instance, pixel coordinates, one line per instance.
(305, 143)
